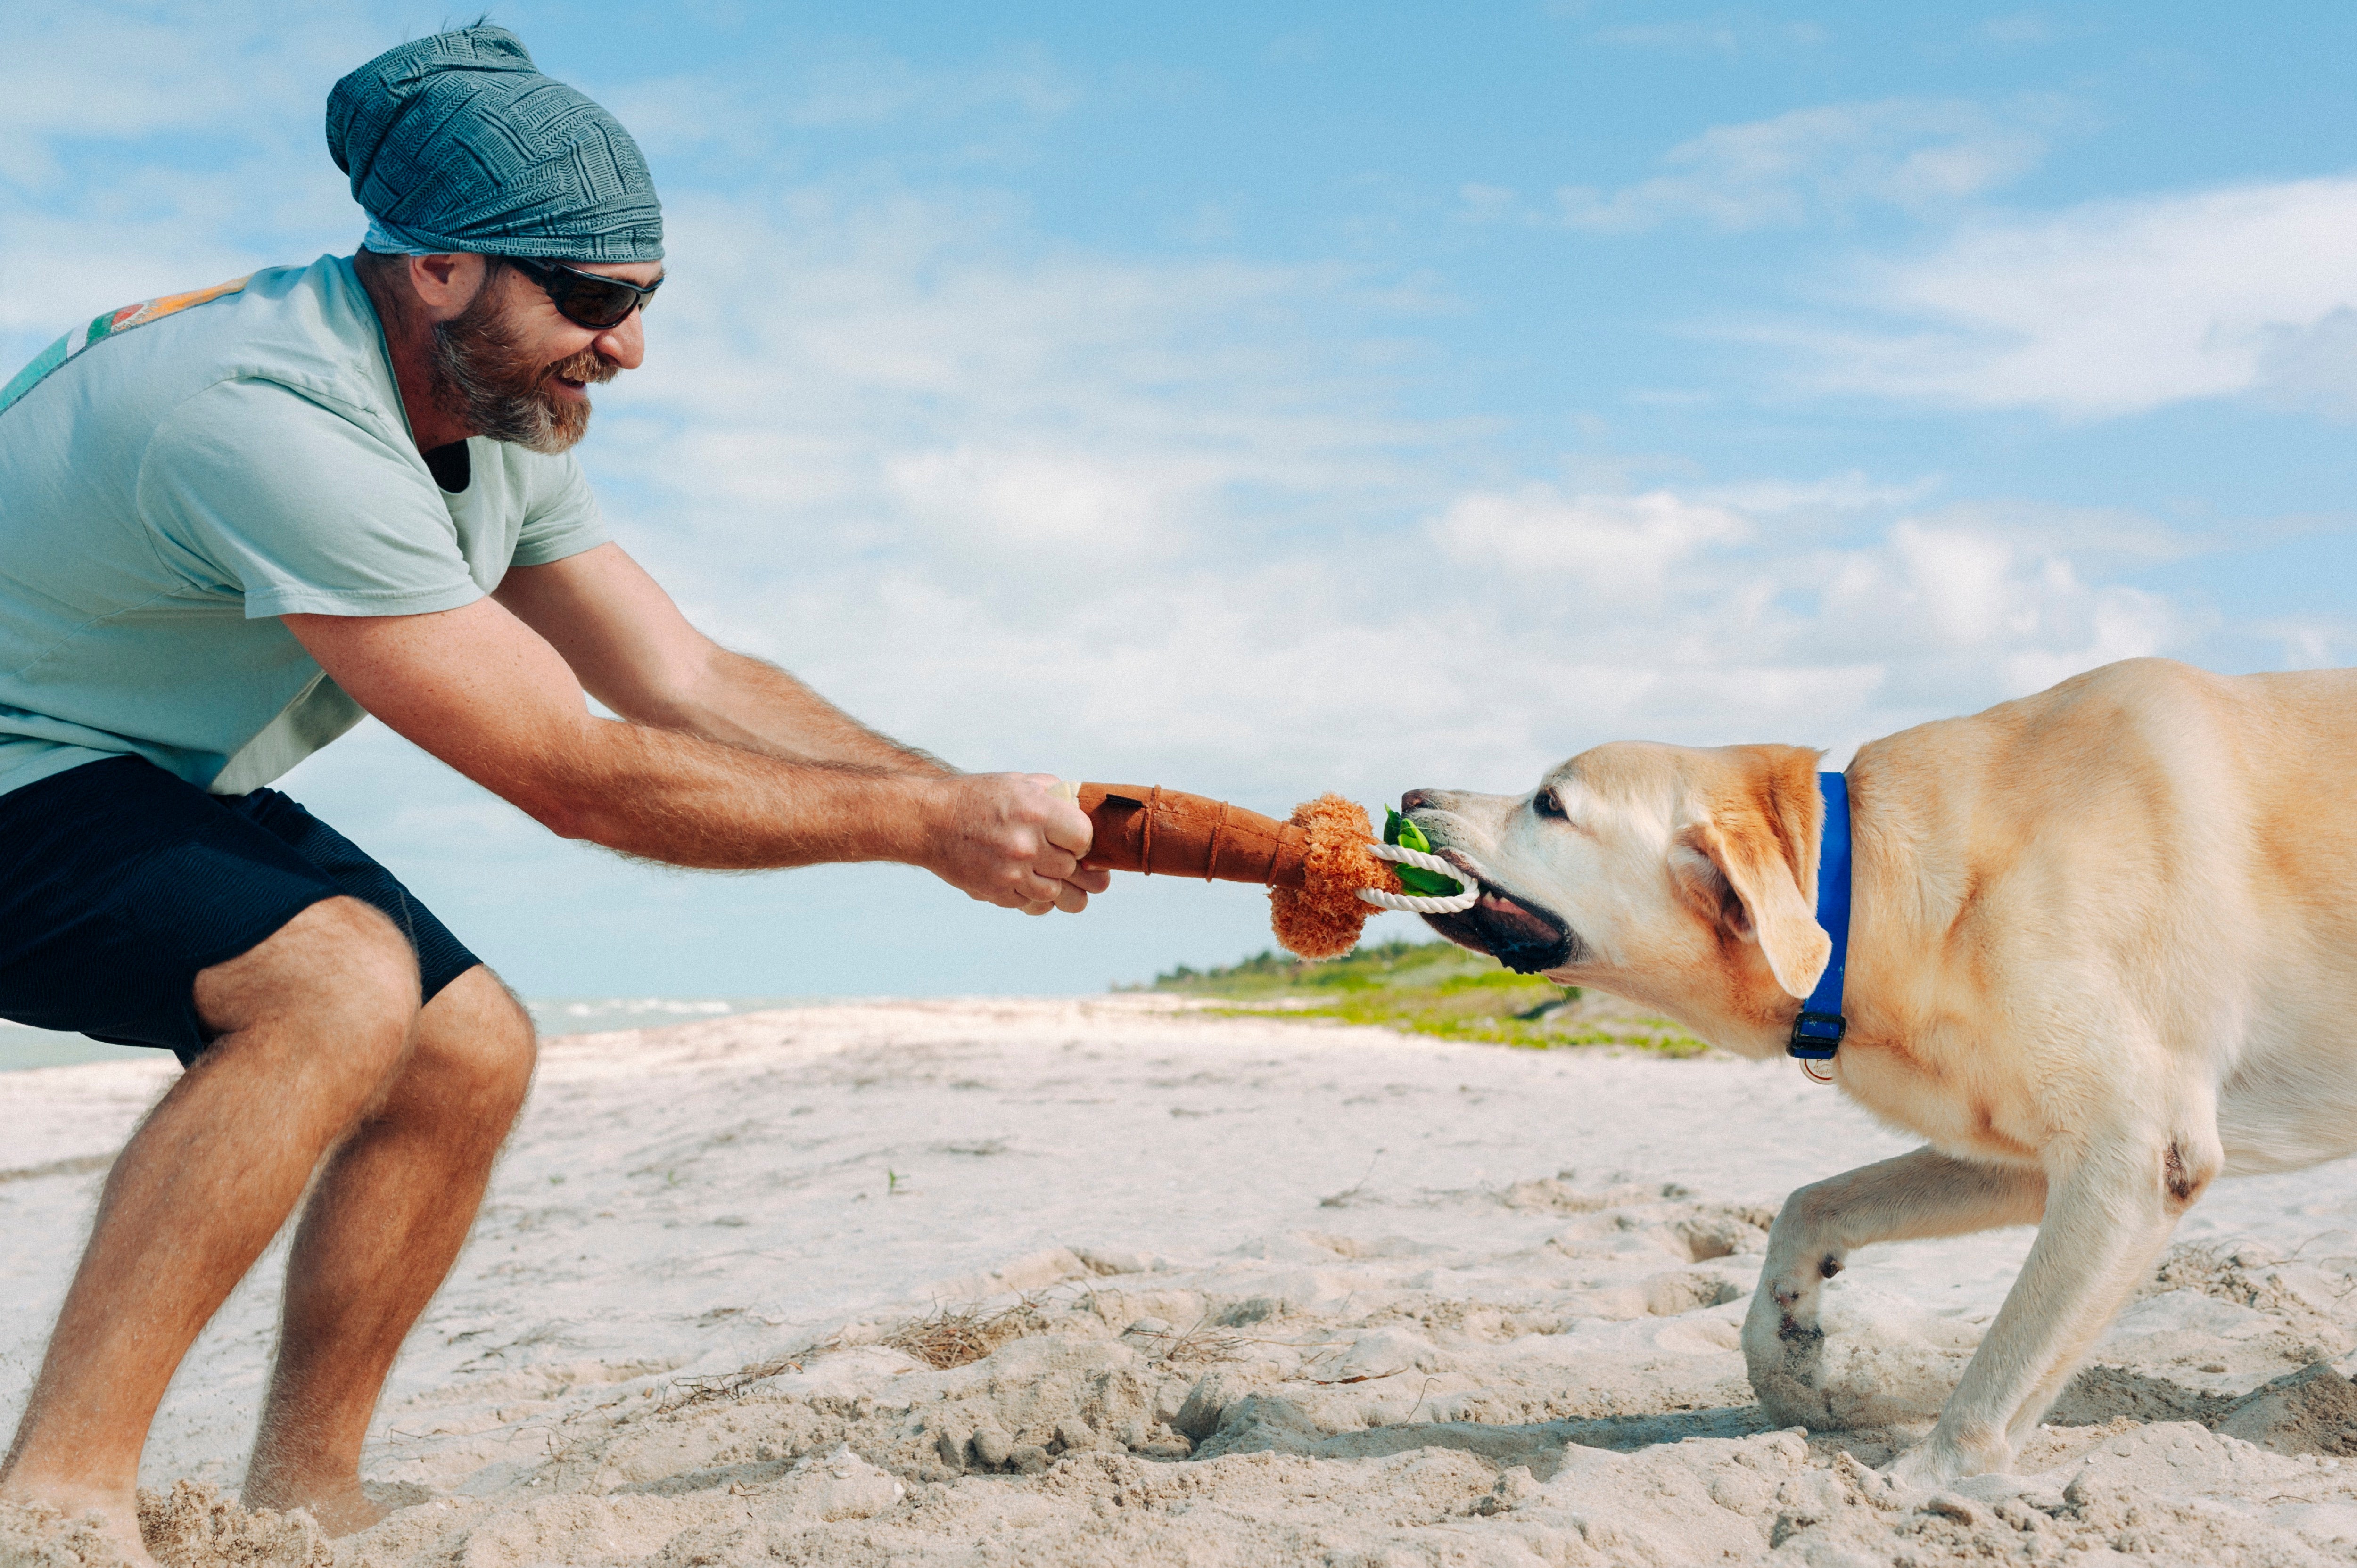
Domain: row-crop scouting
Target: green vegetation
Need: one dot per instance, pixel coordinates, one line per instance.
(1428, 988)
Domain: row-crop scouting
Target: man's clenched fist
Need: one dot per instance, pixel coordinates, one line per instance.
(1012, 839)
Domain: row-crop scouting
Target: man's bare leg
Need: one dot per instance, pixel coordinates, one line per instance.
(313, 1024)
(381, 1230)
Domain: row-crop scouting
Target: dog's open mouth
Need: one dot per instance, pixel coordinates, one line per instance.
(1523, 937)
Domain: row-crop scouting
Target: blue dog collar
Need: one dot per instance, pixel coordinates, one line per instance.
(1817, 1032)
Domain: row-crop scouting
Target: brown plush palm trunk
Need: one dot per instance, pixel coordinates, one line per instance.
(1313, 864)
(1167, 832)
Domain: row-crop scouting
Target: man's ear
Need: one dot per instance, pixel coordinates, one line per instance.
(445, 283)
(1749, 860)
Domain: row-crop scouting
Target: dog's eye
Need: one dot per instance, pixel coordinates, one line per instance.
(1548, 803)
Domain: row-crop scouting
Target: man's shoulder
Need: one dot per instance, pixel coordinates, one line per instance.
(309, 330)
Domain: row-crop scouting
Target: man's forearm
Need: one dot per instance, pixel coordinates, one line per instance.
(753, 705)
(476, 688)
(687, 800)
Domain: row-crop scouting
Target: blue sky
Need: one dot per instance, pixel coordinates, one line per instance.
(1268, 400)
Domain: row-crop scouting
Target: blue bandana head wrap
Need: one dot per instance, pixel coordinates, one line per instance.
(455, 143)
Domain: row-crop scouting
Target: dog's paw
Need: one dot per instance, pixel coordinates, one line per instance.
(1835, 1360)
(1918, 1470)
(1940, 1460)
(1784, 1352)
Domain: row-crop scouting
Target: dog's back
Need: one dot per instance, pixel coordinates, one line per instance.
(2174, 848)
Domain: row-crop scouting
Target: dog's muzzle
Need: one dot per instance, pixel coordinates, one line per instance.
(1523, 937)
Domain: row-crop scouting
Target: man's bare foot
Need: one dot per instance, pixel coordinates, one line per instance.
(112, 1516)
(342, 1507)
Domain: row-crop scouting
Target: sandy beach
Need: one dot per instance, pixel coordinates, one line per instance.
(1122, 1281)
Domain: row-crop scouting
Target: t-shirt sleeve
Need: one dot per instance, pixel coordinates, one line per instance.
(561, 516)
(251, 488)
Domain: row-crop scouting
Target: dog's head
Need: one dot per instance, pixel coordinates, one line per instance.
(1681, 879)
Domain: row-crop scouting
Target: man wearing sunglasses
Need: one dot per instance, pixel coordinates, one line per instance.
(231, 523)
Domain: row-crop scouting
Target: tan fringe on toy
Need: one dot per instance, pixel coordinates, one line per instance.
(1322, 919)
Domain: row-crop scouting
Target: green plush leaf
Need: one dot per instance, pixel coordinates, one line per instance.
(1404, 832)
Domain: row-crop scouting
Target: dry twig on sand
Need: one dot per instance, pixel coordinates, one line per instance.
(959, 1336)
(689, 1392)
(1199, 1346)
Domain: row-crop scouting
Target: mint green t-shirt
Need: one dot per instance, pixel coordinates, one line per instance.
(179, 474)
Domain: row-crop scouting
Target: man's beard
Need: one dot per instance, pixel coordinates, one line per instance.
(484, 377)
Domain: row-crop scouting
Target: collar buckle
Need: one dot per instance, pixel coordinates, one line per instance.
(1817, 1036)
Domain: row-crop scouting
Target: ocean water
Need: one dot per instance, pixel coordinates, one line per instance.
(21, 1047)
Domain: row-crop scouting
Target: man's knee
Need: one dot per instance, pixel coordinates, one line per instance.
(476, 1045)
(338, 981)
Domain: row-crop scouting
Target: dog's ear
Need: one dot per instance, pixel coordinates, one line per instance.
(1748, 861)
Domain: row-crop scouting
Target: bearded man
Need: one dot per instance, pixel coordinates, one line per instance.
(231, 523)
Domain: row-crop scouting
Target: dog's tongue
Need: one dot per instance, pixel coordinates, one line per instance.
(1516, 924)
(1524, 939)
(1518, 936)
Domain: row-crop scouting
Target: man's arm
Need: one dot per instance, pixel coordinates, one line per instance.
(476, 688)
(635, 652)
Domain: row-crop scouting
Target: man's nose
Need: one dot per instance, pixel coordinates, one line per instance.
(624, 344)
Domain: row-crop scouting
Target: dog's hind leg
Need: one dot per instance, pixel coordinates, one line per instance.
(1915, 1196)
(2107, 1217)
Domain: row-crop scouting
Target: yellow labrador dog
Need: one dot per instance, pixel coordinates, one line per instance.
(2103, 949)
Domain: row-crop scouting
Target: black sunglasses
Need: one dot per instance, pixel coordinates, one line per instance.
(586, 299)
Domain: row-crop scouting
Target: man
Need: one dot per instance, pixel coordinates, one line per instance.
(232, 521)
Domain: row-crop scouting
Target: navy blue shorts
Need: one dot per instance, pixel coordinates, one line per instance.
(119, 882)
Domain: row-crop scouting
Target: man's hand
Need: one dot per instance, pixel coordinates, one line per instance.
(1012, 839)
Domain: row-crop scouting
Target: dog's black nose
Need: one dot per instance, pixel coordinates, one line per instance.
(1416, 799)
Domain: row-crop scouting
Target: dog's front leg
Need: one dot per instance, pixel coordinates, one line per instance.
(1918, 1194)
(2108, 1216)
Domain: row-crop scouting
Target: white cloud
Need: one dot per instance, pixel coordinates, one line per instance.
(1010, 503)
(1915, 154)
(1725, 624)
(2119, 306)
(1629, 543)
(1932, 595)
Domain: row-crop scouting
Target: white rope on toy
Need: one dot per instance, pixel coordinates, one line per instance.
(1413, 903)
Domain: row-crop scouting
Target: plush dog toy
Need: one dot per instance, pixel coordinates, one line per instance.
(1324, 871)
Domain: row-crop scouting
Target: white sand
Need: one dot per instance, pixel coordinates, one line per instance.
(1303, 1294)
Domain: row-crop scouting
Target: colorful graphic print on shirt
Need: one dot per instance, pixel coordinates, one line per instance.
(106, 326)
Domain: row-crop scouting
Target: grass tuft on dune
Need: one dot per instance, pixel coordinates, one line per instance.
(1429, 988)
